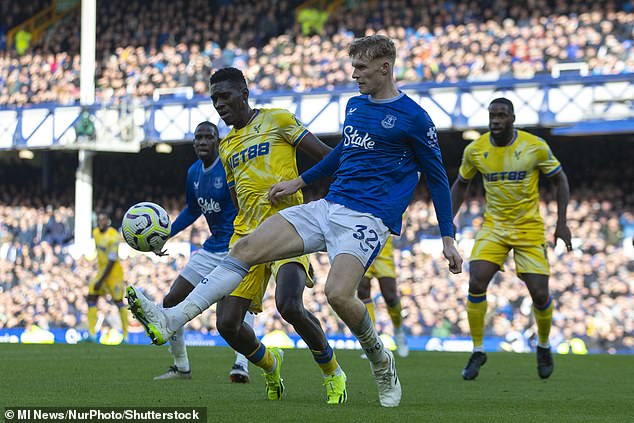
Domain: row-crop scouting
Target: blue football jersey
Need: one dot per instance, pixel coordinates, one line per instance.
(207, 193)
(385, 145)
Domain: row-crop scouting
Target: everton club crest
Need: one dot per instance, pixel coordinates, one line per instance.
(388, 122)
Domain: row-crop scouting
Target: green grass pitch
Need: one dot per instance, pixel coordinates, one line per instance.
(597, 388)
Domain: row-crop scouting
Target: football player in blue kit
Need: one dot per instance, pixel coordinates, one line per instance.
(387, 140)
(207, 194)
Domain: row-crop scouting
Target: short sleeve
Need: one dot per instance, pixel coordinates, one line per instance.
(467, 170)
(227, 167)
(291, 129)
(547, 163)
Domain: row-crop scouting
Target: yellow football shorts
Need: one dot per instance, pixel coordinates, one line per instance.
(113, 285)
(383, 265)
(253, 286)
(529, 249)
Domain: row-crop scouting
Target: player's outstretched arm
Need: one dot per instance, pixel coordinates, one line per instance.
(325, 168)
(190, 213)
(560, 180)
(313, 147)
(185, 218)
(459, 190)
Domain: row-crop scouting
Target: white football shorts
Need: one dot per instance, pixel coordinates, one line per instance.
(200, 264)
(331, 227)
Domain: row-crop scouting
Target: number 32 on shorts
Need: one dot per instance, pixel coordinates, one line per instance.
(370, 240)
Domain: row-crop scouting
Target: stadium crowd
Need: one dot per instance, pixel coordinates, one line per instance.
(43, 281)
(143, 45)
(440, 42)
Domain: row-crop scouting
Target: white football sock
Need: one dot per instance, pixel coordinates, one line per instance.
(222, 281)
(370, 341)
(179, 350)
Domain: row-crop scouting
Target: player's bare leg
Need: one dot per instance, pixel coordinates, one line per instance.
(341, 291)
(239, 372)
(543, 310)
(481, 273)
(229, 321)
(240, 336)
(289, 290)
(288, 299)
(274, 239)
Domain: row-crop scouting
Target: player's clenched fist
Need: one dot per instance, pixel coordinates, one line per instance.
(452, 255)
(284, 188)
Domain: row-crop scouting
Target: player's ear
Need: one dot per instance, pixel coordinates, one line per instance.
(513, 117)
(386, 67)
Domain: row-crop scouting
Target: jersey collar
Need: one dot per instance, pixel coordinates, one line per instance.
(257, 112)
(386, 100)
(507, 145)
(207, 169)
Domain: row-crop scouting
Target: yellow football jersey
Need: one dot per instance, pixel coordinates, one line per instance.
(257, 156)
(107, 244)
(510, 175)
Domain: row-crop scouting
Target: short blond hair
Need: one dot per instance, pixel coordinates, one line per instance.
(373, 47)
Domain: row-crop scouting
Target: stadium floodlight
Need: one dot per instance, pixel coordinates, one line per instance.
(470, 135)
(26, 154)
(581, 67)
(163, 148)
(174, 92)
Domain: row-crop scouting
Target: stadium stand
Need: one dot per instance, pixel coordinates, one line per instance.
(592, 286)
(443, 43)
(447, 42)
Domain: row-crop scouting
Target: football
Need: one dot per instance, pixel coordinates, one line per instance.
(146, 227)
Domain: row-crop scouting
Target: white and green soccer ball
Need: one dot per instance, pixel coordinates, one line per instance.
(146, 227)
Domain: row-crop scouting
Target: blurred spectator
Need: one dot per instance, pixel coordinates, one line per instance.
(56, 232)
(311, 21)
(85, 128)
(42, 283)
(22, 41)
(139, 50)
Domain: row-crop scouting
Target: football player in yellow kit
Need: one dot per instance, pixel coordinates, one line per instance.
(109, 278)
(510, 162)
(258, 152)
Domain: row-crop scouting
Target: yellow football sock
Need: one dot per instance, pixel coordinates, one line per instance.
(369, 304)
(476, 310)
(262, 358)
(395, 314)
(123, 313)
(326, 360)
(92, 320)
(543, 318)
